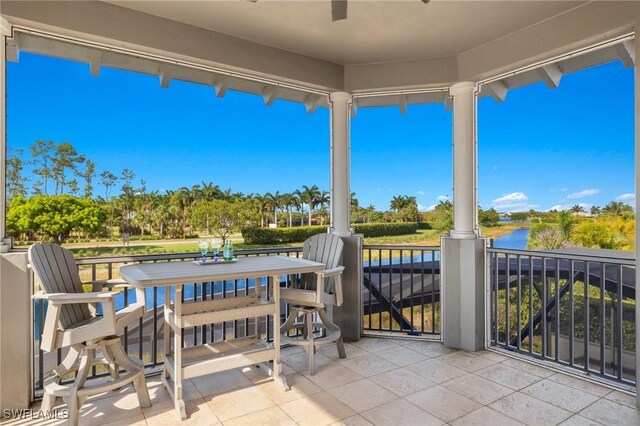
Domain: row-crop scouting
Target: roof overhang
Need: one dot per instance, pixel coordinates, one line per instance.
(104, 34)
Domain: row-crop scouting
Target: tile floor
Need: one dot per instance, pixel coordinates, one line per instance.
(382, 382)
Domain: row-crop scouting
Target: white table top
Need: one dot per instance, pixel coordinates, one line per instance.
(167, 273)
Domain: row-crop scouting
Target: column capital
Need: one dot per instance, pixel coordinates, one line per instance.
(463, 87)
(340, 96)
(5, 27)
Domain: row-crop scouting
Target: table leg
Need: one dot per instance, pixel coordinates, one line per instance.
(277, 367)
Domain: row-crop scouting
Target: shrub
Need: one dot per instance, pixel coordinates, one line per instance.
(385, 229)
(300, 233)
(425, 225)
(280, 235)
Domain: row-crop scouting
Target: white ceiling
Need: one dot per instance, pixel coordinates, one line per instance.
(375, 31)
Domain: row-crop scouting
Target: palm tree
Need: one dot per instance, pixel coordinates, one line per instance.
(323, 201)
(182, 199)
(275, 201)
(397, 203)
(299, 200)
(595, 210)
(577, 209)
(354, 202)
(287, 203)
(618, 209)
(227, 195)
(261, 201)
(370, 209)
(310, 196)
(210, 192)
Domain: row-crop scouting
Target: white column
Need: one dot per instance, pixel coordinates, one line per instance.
(637, 170)
(5, 32)
(464, 160)
(340, 164)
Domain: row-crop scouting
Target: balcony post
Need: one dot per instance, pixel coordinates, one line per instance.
(463, 257)
(339, 103)
(637, 169)
(464, 160)
(5, 33)
(348, 316)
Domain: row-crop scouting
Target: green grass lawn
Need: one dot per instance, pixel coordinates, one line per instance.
(423, 237)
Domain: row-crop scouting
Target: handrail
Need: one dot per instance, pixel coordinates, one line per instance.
(565, 256)
(398, 247)
(168, 256)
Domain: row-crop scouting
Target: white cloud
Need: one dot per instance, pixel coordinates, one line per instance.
(562, 207)
(626, 197)
(421, 208)
(514, 207)
(442, 198)
(510, 198)
(430, 208)
(420, 192)
(584, 193)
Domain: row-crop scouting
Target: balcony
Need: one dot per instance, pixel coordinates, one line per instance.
(400, 373)
(550, 338)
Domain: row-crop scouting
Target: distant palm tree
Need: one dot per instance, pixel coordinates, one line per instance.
(182, 198)
(299, 200)
(577, 209)
(210, 192)
(323, 201)
(261, 200)
(310, 196)
(288, 200)
(617, 209)
(595, 210)
(275, 201)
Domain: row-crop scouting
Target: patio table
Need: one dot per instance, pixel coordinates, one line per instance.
(184, 363)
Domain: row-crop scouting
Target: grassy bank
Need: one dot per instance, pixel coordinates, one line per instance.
(423, 237)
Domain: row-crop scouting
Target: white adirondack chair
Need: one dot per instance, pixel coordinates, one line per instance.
(311, 294)
(72, 322)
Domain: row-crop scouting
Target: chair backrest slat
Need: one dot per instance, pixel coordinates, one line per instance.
(56, 269)
(323, 248)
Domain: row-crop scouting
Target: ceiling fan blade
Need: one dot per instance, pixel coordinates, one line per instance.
(338, 10)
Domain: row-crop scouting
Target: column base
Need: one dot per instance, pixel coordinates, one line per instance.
(463, 263)
(463, 235)
(342, 232)
(348, 316)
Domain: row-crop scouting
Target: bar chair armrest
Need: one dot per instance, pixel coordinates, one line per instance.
(65, 298)
(331, 272)
(98, 285)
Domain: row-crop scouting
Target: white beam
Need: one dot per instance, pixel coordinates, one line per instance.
(5, 33)
(95, 61)
(340, 164)
(403, 104)
(626, 53)
(497, 90)
(465, 217)
(311, 102)
(220, 86)
(165, 79)
(270, 94)
(550, 74)
(637, 167)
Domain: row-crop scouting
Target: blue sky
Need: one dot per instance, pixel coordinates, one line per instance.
(539, 149)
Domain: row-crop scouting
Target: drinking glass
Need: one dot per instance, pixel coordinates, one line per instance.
(203, 245)
(216, 243)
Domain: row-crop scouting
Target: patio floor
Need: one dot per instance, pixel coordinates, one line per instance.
(382, 382)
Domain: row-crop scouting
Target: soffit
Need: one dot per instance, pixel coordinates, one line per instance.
(375, 31)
